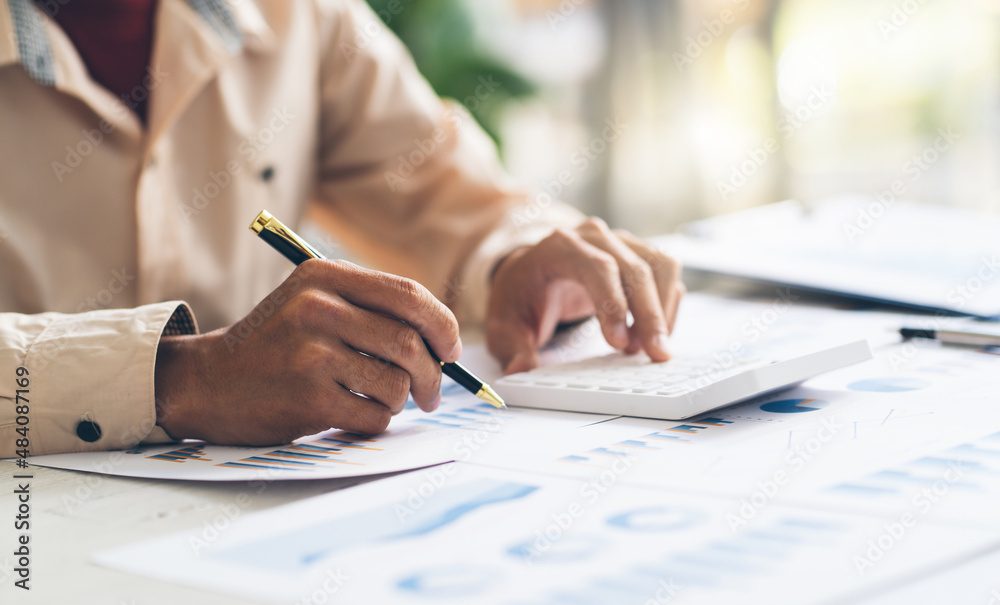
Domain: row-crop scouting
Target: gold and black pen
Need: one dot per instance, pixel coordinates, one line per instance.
(295, 249)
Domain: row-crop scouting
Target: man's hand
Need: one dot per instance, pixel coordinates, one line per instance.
(574, 274)
(301, 361)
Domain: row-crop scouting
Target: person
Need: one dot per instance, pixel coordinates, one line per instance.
(141, 137)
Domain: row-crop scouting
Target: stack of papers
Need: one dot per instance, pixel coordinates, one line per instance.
(852, 484)
(909, 254)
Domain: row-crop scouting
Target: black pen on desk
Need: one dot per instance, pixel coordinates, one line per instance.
(962, 336)
(295, 249)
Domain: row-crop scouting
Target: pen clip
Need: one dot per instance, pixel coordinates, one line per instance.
(284, 239)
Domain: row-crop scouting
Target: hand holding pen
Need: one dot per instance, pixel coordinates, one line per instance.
(295, 249)
(335, 345)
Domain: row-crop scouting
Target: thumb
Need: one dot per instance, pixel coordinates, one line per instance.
(522, 362)
(514, 344)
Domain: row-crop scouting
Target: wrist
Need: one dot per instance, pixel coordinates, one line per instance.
(175, 385)
(507, 260)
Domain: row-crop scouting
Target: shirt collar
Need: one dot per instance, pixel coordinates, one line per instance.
(23, 38)
(26, 41)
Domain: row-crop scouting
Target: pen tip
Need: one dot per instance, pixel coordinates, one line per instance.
(490, 396)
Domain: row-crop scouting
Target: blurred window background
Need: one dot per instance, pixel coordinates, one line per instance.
(652, 113)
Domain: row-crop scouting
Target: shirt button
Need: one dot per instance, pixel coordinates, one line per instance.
(88, 431)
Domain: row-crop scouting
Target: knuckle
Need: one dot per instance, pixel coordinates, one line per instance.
(309, 360)
(312, 269)
(594, 224)
(676, 266)
(651, 322)
(410, 293)
(666, 263)
(612, 309)
(305, 271)
(640, 272)
(376, 419)
(604, 262)
(435, 382)
(560, 238)
(407, 343)
(398, 386)
(309, 303)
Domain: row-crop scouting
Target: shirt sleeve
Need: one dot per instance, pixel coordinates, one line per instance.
(409, 182)
(90, 377)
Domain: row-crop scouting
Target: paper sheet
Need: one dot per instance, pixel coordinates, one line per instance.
(556, 509)
(841, 246)
(461, 427)
(475, 535)
(416, 439)
(905, 418)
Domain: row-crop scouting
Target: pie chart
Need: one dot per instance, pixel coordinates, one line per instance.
(794, 406)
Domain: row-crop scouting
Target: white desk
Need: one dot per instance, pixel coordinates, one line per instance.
(74, 514)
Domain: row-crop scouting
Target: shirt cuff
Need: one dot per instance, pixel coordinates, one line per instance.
(91, 375)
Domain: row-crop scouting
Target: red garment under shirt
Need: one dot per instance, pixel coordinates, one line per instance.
(115, 40)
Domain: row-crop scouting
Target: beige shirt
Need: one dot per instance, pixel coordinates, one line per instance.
(109, 229)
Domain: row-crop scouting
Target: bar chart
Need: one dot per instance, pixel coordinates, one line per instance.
(686, 433)
(184, 454)
(308, 455)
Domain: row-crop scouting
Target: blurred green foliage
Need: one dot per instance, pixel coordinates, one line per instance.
(441, 35)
